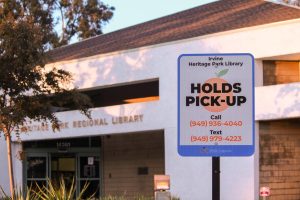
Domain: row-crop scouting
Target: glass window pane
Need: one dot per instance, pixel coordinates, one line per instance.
(63, 166)
(36, 167)
(89, 167)
(92, 189)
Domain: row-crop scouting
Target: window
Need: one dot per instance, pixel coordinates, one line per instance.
(36, 171)
(281, 72)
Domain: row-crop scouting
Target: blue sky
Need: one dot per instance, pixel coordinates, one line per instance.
(131, 12)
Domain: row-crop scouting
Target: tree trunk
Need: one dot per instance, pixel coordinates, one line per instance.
(10, 165)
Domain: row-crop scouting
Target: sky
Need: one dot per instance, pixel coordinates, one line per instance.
(131, 12)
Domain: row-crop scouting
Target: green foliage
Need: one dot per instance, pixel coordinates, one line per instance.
(27, 87)
(19, 195)
(60, 192)
(139, 197)
(113, 198)
(52, 192)
(63, 193)
(29, 90)
(81, 18)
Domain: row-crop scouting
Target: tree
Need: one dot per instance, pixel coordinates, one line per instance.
(29, 89)
(291, 2)
(82, 18)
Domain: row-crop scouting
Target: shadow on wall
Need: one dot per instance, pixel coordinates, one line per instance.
(130, 65)
(287, 101)
(286, 92)
(111, 69)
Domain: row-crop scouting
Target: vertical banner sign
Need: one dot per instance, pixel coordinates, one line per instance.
(216, 105)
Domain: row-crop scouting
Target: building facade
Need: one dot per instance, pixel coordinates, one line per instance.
(131, 78)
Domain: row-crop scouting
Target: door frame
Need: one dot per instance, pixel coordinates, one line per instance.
(78, 178)
(34, 154)
(46, 152)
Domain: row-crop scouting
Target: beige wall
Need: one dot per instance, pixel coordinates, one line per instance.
(124, 154)
(280, 158)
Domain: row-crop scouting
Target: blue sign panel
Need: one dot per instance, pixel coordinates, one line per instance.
(216, 105)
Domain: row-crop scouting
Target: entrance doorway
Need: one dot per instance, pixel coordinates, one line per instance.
(75, 165)
(63, 166)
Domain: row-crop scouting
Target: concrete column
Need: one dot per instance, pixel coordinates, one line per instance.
(17, 164)
(190, 176)
(4, 179)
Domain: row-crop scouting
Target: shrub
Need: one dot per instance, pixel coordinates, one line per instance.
(60, 192)
(50, 192)
(19, 195)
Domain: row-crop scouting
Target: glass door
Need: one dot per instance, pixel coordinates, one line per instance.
(36, 170)
(63, 166)
(79, 168)
(89, 173)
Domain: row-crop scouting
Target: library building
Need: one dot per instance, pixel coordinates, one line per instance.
(131, 77)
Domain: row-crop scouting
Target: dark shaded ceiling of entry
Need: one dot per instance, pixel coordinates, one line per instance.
(118, 95)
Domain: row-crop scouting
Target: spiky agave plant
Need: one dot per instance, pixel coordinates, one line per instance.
(61, 192)
(19, 195)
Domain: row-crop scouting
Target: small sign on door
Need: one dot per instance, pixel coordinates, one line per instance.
(90, 160)
(89, 171)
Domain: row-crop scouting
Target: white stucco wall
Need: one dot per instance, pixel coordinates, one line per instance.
(4, 180)
(17, 166)
(278, 101)
(190, 177)
(149, 120)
